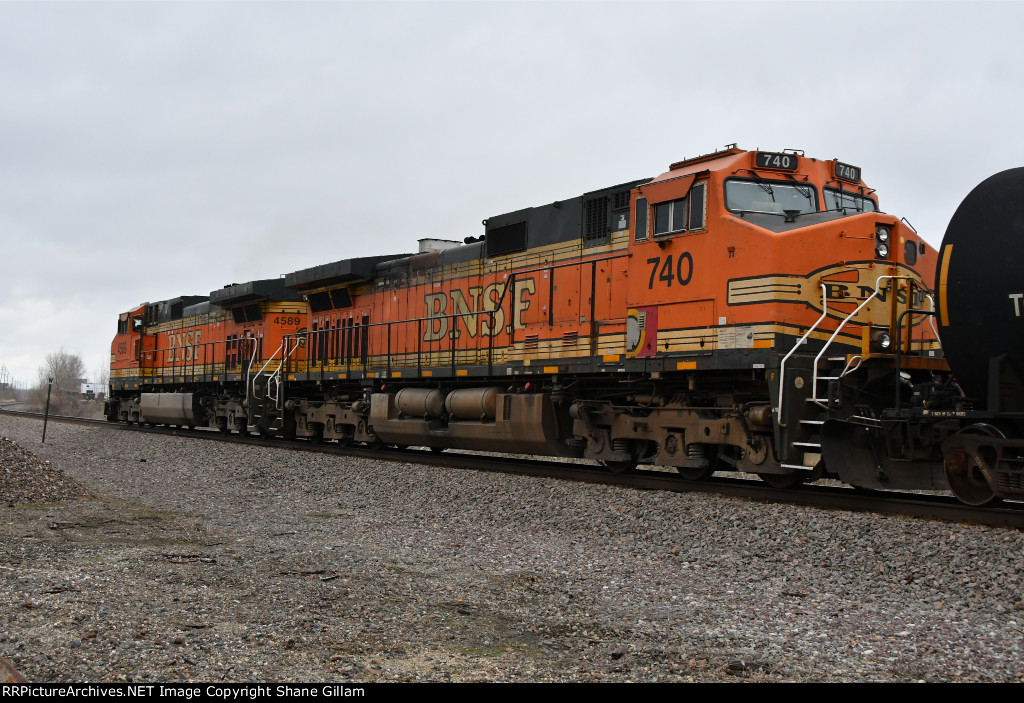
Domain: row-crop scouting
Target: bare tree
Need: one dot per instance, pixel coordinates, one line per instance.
(103, 373)
(67, 371)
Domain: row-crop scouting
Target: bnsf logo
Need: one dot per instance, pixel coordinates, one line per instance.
(473, 308)
(183, 346)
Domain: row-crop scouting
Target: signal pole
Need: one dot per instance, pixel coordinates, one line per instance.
(46, 413)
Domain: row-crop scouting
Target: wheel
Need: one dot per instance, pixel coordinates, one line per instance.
(620, 467)
(783, 481)
(695, 473)
(968, 483)
(963, 468)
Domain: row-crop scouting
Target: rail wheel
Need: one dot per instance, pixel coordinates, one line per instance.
(963, 468)
(783, 481)
(695, 473)
(620, 467)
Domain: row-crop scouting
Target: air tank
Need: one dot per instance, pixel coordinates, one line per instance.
(472, 403)
(420, 402)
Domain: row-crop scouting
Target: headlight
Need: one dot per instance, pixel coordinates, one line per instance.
(881, 341)
(882, 250)
(882, 233)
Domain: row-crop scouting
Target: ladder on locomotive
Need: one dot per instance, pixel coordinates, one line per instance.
(264, 397)
(824, 388)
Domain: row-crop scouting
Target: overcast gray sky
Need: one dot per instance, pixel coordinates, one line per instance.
(150, 150)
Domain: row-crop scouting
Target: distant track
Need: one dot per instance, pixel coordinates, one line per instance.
(930, 506)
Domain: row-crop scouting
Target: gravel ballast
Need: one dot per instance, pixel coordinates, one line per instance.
(170, 559)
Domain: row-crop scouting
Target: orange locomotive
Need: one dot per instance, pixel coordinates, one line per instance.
(712, 318)
(187, 361)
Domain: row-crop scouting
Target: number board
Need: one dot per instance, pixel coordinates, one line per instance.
(783, 162)
(847, 172)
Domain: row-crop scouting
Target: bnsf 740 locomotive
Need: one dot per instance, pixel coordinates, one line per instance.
(745, 311)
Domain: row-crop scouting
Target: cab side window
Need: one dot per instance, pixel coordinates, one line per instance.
(687, 214)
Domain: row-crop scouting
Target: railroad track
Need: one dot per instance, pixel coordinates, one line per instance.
(921, 505)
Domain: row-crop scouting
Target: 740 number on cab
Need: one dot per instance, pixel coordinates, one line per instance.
(671, 270)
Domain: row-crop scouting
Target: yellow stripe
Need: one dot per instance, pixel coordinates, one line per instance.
(550, 369)
(461, 372)
(396, 374)
(762, 344)
(685, 365)
(610, 358)
(947, 254)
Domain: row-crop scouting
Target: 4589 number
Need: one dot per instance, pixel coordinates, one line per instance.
(670, 271)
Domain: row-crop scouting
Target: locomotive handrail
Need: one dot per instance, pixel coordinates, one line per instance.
(931, 318)
(839, 328)
(452, 353)
(899, 344)
(852, 365)
(248, 370)
(275, 375)
(782, 364)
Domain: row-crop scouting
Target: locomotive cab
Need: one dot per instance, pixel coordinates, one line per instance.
(126, 351)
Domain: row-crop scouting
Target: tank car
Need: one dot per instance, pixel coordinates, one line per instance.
(981, 322)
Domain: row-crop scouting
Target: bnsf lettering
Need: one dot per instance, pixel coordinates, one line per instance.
(839, 291)
(470, 310)
(183, 346)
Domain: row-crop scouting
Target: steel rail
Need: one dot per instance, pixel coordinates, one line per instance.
(943, 507)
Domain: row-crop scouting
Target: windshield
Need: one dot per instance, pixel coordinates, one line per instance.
(763, 196)
(844, 200)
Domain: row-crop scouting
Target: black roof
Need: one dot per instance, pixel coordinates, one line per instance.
(240, 293)
(338, 272)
